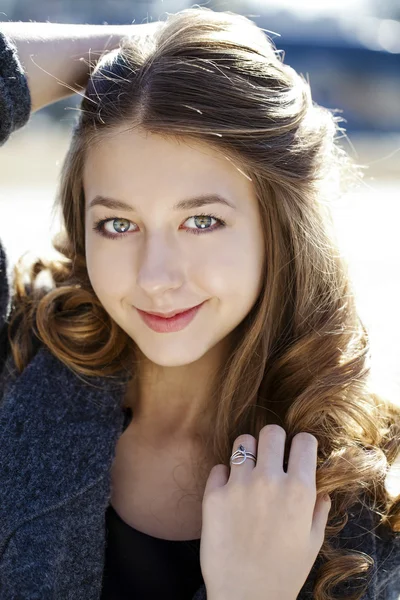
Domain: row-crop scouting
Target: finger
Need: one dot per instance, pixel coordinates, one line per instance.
(218, 477)
(271, 449)
(320, 518)
(242, 470)
(303, 458)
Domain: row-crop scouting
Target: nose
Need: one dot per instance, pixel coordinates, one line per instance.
(160, 264)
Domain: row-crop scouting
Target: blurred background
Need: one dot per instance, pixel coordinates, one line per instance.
(350, 52)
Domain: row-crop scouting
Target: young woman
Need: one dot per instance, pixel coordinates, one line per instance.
(198, 182)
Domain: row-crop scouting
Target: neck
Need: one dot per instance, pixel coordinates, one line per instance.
(173, 402)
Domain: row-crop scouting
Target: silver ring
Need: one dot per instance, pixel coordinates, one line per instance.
(241, 453)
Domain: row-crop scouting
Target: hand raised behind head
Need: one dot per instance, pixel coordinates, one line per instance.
(262, 528)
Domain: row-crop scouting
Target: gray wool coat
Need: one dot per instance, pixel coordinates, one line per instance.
(58, 434)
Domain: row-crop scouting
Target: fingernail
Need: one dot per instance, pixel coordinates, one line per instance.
(326, 497)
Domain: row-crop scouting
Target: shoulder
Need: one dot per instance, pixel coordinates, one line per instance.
(364, 533)
(8, 369)
(387, 562)
(4, 286)
(4, 307)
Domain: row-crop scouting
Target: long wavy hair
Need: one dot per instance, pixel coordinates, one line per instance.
(301, 356)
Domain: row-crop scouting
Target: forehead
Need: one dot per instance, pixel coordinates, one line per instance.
(132, 161)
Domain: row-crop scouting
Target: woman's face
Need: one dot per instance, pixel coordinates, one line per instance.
(162, 258)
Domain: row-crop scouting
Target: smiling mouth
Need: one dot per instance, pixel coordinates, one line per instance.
(169, 315)
(170, 324)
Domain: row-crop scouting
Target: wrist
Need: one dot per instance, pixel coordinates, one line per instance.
(56, 57)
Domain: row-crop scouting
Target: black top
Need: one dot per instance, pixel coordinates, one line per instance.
(139, 566)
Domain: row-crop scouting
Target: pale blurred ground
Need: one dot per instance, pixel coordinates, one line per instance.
(367, 222)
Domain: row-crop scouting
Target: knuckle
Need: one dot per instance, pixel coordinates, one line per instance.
(300, 490)
(246, 439)
(266, 484)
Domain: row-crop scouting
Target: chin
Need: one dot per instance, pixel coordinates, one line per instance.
(177, 354)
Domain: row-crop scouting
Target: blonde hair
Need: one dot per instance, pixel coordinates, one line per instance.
(300, 358)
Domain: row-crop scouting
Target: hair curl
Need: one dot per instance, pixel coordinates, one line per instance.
(301, 355)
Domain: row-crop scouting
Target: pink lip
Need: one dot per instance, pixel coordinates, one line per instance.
(171, 324)
(168, 315)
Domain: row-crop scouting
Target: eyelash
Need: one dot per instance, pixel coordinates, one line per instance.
(98, 226)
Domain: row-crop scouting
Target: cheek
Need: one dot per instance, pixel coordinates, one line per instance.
(236, 270)
(110, 275)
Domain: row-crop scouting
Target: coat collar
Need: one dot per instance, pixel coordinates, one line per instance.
(58, 437)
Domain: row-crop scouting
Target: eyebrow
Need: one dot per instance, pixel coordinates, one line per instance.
(186, 204)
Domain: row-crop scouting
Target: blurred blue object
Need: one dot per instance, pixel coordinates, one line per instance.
(363, 83)
(352, 62)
